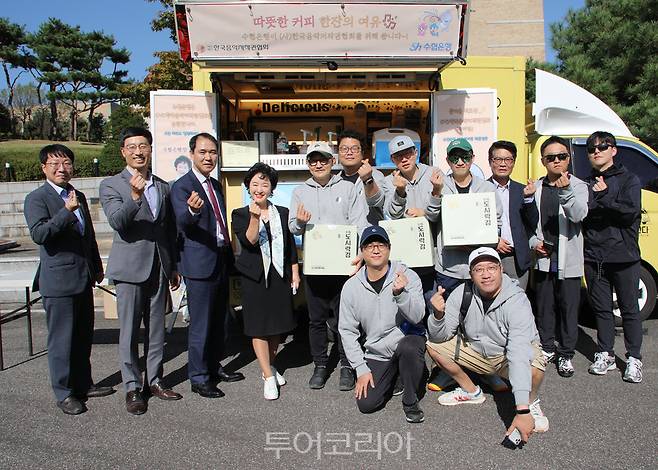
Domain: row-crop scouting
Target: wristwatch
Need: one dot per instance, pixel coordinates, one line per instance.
(369, 181)
(523, 412)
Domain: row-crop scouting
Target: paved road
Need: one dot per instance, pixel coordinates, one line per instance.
(595, 422)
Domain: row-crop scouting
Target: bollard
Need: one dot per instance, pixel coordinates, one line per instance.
(7, 171)
(96, 171)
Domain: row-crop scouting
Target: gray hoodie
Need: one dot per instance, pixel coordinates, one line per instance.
(419, 194)
(335, 203)
(453, 261)
(378, 315)
(508, 328)
(572, 212)
(374, 205)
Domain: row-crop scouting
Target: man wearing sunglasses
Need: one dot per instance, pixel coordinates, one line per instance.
(561, 200)
(357, 170)
(612, 254)
(325, 198)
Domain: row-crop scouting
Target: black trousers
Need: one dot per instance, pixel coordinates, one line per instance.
(70, 334)
(624, 277)
(409, 360)
(323, 301)
(557, 302)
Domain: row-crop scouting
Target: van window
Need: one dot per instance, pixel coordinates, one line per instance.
(634, 160)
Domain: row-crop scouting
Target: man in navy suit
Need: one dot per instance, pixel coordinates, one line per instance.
(206, 258)
(520, 215)
(59, 222)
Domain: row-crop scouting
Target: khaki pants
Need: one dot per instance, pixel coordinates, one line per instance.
(473, 360)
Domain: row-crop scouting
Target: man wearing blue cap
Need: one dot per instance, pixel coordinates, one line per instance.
(377, 301)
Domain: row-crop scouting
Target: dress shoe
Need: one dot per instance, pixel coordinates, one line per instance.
(163, 393)
(135, 404)
(346, 379)
(207, 390)
(98, 391)
(71, 406)
(224, 376)
(319, 377)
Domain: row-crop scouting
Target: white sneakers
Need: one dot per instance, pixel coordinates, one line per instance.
(541, 421)
(633, 371)
(272, 383)
(459, 397)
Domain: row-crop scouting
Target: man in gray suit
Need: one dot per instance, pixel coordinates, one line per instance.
(59, 222)
(142, 264)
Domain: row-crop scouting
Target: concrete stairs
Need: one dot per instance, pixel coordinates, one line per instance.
(12, 197)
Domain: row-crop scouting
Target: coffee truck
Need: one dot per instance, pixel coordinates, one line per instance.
(283, 74)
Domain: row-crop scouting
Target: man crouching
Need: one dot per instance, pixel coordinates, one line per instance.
(490, 331)
(377, 300)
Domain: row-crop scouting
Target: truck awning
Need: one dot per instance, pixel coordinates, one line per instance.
(322, 32)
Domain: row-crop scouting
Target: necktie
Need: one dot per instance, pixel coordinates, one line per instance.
(77, 213)
(218, 213)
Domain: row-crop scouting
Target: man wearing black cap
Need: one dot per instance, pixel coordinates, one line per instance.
(376, 301)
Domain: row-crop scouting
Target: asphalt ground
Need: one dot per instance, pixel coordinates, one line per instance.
(595, 422)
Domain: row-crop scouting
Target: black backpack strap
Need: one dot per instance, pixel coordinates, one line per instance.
(467, 298)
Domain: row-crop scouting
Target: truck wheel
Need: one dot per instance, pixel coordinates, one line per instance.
(646, 297)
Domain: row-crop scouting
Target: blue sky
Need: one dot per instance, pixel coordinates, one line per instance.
(129, 22)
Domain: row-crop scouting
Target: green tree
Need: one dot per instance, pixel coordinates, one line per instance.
(14, 59)
(530, 66)
(170, 73)
(164, 19)
(610, 47)
(25, 101)
(70, 63)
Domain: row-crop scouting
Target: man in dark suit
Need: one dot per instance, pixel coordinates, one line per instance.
(520, 215)
(142, 264)
(206, 258)
(59, 221)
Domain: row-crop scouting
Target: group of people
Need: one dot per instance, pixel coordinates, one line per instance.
(468, 312)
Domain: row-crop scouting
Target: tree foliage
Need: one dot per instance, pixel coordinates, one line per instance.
(14, 59)
(72, 64)
(610, 48)
(164, 20)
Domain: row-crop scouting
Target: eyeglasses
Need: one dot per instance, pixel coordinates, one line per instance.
(551, 158)
(132, 148)
(55, 165)
(601, 148)
(404, 154)
(454, 159)
(372, 246)
(492, 268)
(346, 149)
(500, 160)
(320, 161)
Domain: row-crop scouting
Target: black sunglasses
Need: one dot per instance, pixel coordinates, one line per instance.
(463, 157)
(600, 148)
(561, 156)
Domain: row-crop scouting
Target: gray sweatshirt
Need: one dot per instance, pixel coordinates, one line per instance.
(378, 315)
(374, 205)
(419, 194)
(573, 210)
(508, 328)
(336, 203)
(453, 261)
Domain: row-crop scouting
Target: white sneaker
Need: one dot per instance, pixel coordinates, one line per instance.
(280, 379)
(633, 371)
(459, 396)
(548, 356)
(270, 388)
(603, 363)
(541, 421)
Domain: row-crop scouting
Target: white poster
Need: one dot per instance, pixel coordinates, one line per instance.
(467, 113)
(239, 30)
(176, 116)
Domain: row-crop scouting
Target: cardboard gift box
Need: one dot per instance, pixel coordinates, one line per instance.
(469, 219)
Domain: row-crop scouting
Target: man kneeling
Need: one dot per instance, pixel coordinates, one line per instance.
(490, 331)
(377, 300)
